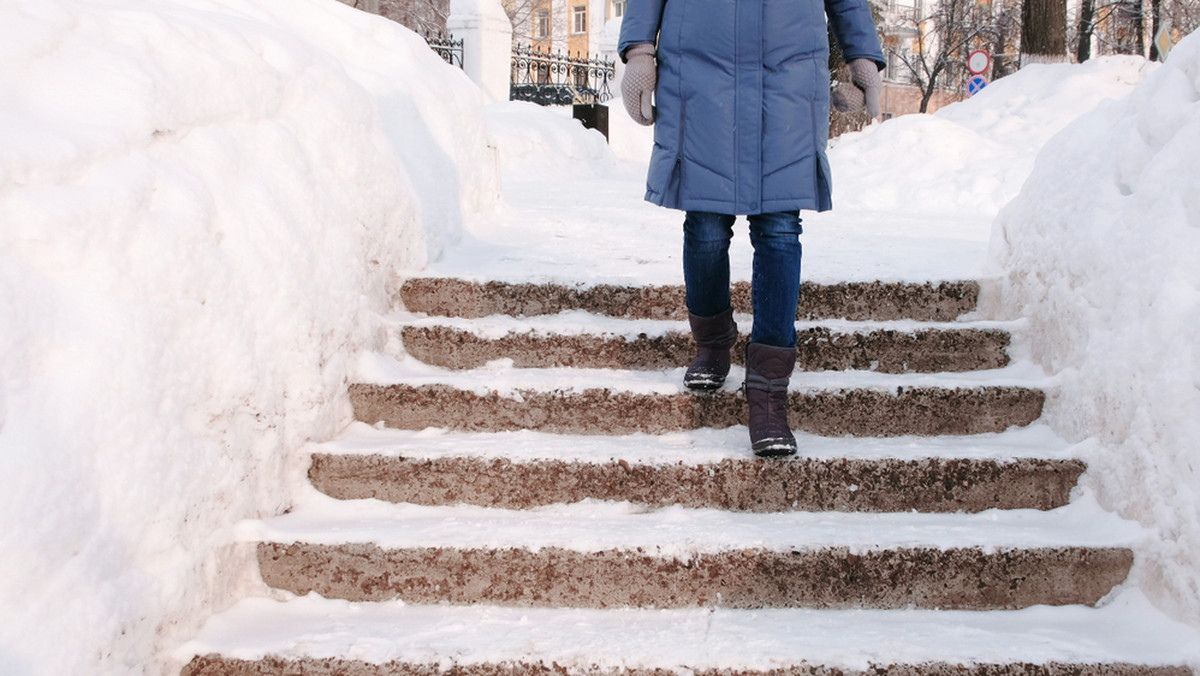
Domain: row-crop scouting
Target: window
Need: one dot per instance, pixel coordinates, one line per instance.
(618, 9)
(579, 19)
(541, 24)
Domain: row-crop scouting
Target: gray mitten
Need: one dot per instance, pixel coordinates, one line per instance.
(863, 93)
(637, 85)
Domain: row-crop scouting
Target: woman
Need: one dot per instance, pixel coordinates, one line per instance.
(742, 117)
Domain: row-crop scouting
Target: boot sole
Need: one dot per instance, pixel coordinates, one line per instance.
(704, 381)
(705, 385)
(774, 448)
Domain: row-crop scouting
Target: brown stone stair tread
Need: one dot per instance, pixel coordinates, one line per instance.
(856, 412)
(358, 546)
(928, 350)
(744, 484)
(941, 301)
(832, 577)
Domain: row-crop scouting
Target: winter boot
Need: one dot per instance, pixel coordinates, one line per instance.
(714, 336)
(768, 369)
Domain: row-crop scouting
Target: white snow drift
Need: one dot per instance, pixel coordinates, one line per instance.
(201, 201)
(1101, 251)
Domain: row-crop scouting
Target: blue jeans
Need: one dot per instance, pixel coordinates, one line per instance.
(775, 283)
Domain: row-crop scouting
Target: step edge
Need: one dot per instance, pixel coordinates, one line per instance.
(1142, 633)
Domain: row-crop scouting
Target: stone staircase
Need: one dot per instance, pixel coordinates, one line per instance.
(550, 500)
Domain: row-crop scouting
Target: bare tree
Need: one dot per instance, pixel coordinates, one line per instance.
(1001, 35)
(537, 22)
(936, 56)
(1115, 26)
(1086, 28)
(1183, 16)
(1044, 31)
(1129, 26)
(1120, 26)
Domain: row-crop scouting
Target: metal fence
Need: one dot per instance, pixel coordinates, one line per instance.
(447, 47)
(558, 79)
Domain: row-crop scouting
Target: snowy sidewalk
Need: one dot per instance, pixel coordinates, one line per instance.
(598, 229)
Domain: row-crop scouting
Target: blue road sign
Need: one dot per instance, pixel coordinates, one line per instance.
(976, 84)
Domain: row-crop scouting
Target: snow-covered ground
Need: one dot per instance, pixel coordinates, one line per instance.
(206, 204)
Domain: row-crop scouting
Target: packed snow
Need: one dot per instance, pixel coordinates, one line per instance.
(206, 206)
(678, 532)
(694, 639)
(1100, 252)
(694, 446)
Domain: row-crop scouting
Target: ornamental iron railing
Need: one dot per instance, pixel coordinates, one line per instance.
(447, 47)
(558, 79)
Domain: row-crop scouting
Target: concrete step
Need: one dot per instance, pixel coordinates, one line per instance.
(881, 301)
(923, 350)
(857, 411)
(605, 555)
(967, 579)
(312, 635)
(1022, 468)
(743, 484)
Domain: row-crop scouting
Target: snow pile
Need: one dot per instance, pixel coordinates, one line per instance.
(972, 157)
(628, 139)
(546, 142)
(201, 204)
(1100, 252)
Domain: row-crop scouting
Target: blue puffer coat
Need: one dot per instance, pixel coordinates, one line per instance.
(743, 98)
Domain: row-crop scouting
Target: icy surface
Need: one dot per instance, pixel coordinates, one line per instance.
(1127, 629)
(1101, 252)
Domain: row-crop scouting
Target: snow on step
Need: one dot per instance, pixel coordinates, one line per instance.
(1126, 636)
(680, 532)
(1020, 468)
(448, 296)
(409, 395)
(925, 350)
(616, 554)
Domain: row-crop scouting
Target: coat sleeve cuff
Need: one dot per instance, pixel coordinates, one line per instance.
(636, 49)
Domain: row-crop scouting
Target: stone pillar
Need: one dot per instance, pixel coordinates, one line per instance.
(486, 33)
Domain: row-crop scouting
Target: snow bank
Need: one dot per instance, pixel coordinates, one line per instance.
(536, 142)
(972, 157)
(1100, 252)
(201, 204)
